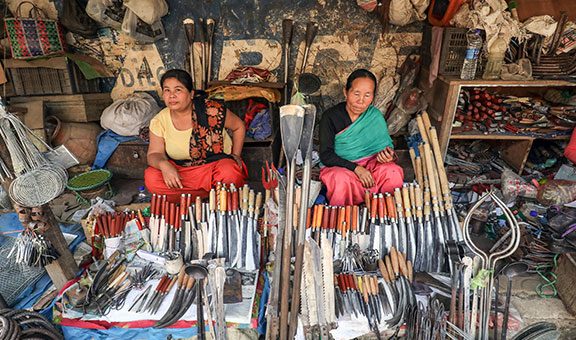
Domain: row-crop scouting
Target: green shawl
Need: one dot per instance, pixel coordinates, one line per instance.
(365, 137)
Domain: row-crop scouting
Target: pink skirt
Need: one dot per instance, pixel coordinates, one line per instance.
(344, 187)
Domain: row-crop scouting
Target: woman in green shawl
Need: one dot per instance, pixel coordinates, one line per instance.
(355, 147)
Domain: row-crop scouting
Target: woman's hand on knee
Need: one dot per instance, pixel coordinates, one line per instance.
(170, 175)
(364, 176)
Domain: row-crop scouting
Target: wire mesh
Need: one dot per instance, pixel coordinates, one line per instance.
(15, 278)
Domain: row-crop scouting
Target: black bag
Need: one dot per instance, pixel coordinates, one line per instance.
(75, 19)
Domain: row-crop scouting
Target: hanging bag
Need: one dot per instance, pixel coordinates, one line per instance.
(35, 36)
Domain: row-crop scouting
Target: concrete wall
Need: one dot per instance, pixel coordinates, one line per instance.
(249, 33)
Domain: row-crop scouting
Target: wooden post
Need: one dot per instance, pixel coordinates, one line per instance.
(64, 268)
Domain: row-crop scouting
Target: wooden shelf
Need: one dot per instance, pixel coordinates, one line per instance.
(505, 83)
(503, 136)
(267, 85)
(443, 98)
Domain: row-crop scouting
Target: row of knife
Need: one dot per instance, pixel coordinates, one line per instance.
(401, 219)
(226, 225)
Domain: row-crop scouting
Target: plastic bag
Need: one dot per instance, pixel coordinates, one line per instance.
(513, 186)
(557, 192)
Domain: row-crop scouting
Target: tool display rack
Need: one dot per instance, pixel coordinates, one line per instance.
(443, 100)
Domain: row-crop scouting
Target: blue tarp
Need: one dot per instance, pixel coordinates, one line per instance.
(127, 333)
(8, 223)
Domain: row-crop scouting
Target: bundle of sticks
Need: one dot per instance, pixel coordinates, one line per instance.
(204, 29)
(226, 225)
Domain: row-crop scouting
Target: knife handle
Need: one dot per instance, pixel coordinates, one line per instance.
(390, 209)
(319, 216)
(395, 262)
(374, 207)
(171, 214)
(412, 194)
(426, 202)
(406, 201)
(176, 219)
(258, 204)
(229, 195)
(251, 199)
(348, 217)
(333, 218)
(223, 200)
(341, 216)
(398, 201)
(381, 206)
(383, 270)
(367, 201)
(183, 203)
(402, 264)
(153, 205)
(354, 224)
(308, 218)
(389, 268)
(410, 269)
(325, 217)
(211, 200)
(234, 200)
(245, 194)
(363, 288)
(418, 198)
(197, 209)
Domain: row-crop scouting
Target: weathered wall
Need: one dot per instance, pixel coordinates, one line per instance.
(249, 32)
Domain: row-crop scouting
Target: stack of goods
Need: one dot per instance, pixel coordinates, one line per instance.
(157, 265)
(472, 163)
(480, 111)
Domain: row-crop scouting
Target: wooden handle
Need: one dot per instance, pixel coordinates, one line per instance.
(410, 268)
(341, 217)
(389, 269)
(309, 218)
(426, 121)
(364, 288)
(190, 283)
(422, 129)
(348, 219)
(383, 270)
(398, 201)
(412, 154)
(172, 214)
(367, 200)
(406, 201)
(287, 29)
(319, 216)
(223, 200)
(395, 261)
(402, 264)
(251, 199)
(426, 202)
(418, 198)
(153, 205)
(325, 217)
(441, 169)
(211, 199)
(373, 284)
(424, 169)
(412, 196)
(390, 208)
(355, 211)
(431, 179)
(258, 204)
(418, 171)
(234, 200)
(333, 218)
(210, 23)
(198, 209)
(375, 207)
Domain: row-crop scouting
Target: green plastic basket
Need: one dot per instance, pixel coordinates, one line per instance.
(89, 180)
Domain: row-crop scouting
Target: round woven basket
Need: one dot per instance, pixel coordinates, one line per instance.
(91, 184)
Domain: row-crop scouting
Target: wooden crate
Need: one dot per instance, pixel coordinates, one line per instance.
(566, 272)
(52, 76)
(129, 160)
(71, 108)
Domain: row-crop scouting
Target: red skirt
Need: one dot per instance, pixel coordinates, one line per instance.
(196, 180)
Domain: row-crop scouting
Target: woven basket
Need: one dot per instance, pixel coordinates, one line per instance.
(91, 184)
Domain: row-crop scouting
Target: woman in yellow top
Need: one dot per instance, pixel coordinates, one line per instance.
(186, 151)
